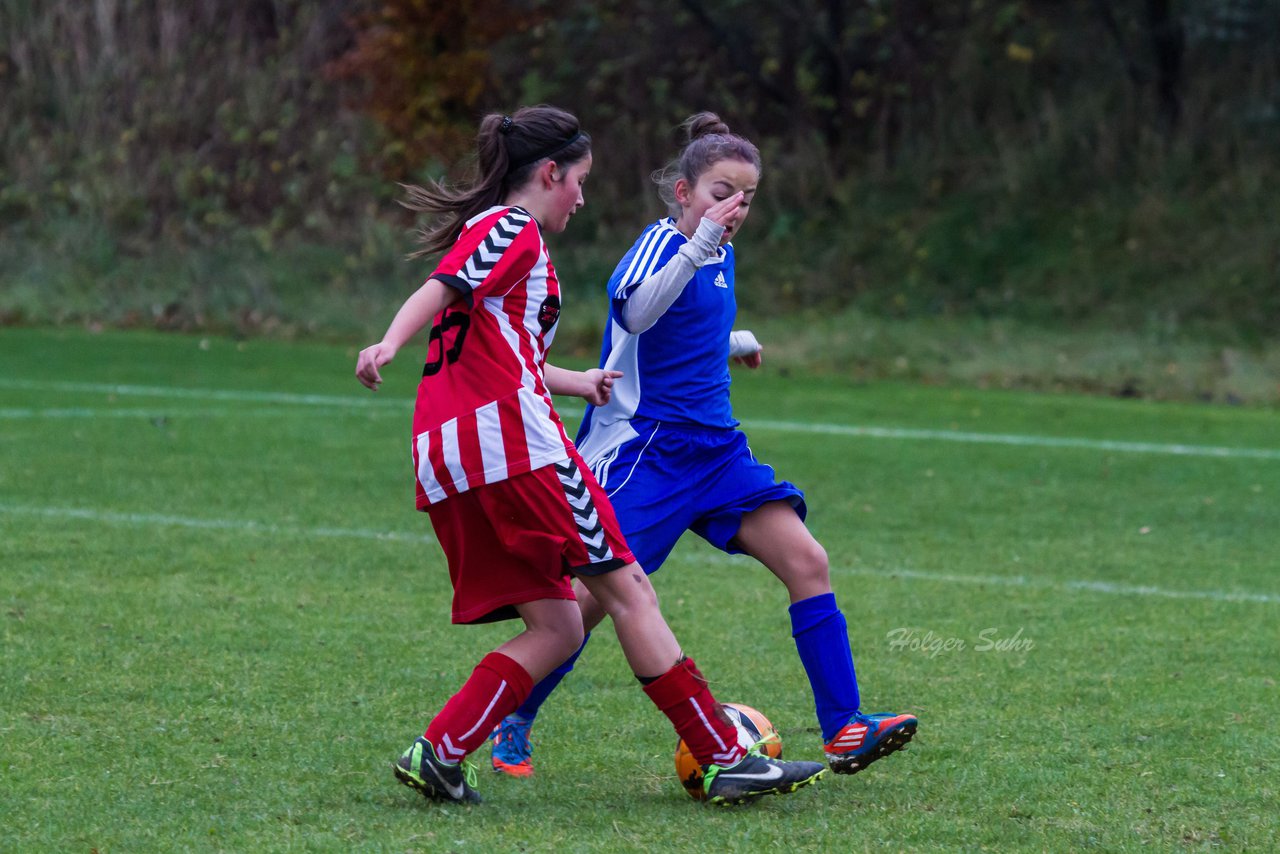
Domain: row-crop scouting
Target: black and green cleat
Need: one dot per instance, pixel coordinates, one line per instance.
(758, 775)
(418, 768)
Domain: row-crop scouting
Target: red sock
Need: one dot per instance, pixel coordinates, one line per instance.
(683, 696)
(496, 688)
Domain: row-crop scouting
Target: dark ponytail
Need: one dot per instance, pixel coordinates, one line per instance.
(508, 151)
(707, 140)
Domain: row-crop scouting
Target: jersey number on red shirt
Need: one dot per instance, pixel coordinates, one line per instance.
(459, 320)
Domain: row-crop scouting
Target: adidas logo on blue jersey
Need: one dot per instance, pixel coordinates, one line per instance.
(720, 282)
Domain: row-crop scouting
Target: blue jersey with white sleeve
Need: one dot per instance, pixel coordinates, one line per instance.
(676, 371)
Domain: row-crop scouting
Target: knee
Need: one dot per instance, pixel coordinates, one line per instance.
(567, 639)
(560, 634)
(817, 558)
(634, 595)
(809, 565)
(573, 640)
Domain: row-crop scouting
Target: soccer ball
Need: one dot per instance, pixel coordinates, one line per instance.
(752, 726)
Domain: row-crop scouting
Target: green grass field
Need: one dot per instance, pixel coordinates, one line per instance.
(222, 619)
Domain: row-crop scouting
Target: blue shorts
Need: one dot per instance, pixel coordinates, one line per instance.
(669, 479)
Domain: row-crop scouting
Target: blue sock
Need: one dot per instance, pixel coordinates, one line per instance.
(822, 639)
(529, 709)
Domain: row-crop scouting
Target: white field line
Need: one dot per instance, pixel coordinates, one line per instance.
(243, 526)
(88, 413)
(851, 431)
(1014, 439)
(232, 395)
(1106, 587)
(250, 527)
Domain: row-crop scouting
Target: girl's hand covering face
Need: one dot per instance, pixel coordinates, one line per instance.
(725, 212)
(723, 194)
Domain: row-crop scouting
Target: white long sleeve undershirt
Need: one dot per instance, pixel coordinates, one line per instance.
(652, 297)
(743, 343)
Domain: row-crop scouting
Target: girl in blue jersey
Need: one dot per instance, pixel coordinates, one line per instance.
(667, 450)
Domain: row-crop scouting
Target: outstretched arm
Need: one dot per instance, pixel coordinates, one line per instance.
(594, 386)
(418, 310)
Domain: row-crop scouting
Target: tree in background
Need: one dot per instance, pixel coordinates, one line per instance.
(251, 110)
(171, 118)
(933, 150)
(426, 70)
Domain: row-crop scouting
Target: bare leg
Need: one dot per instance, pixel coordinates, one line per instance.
(592, 614)
(629, 599)
(553, 631)
(774, 535)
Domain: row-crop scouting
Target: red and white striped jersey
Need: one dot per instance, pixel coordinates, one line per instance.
(483, 412)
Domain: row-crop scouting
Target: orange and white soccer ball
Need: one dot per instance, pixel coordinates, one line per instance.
(753, 728)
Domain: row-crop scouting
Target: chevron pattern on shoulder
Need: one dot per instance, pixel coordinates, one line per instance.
(489, 252)
(590, 530)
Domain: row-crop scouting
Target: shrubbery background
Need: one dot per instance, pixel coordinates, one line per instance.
(1067, 166)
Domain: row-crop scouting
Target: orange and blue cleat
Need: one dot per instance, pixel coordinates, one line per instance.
(511, 747)
(867, 738)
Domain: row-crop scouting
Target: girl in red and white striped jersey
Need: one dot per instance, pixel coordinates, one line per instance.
(515, 509)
